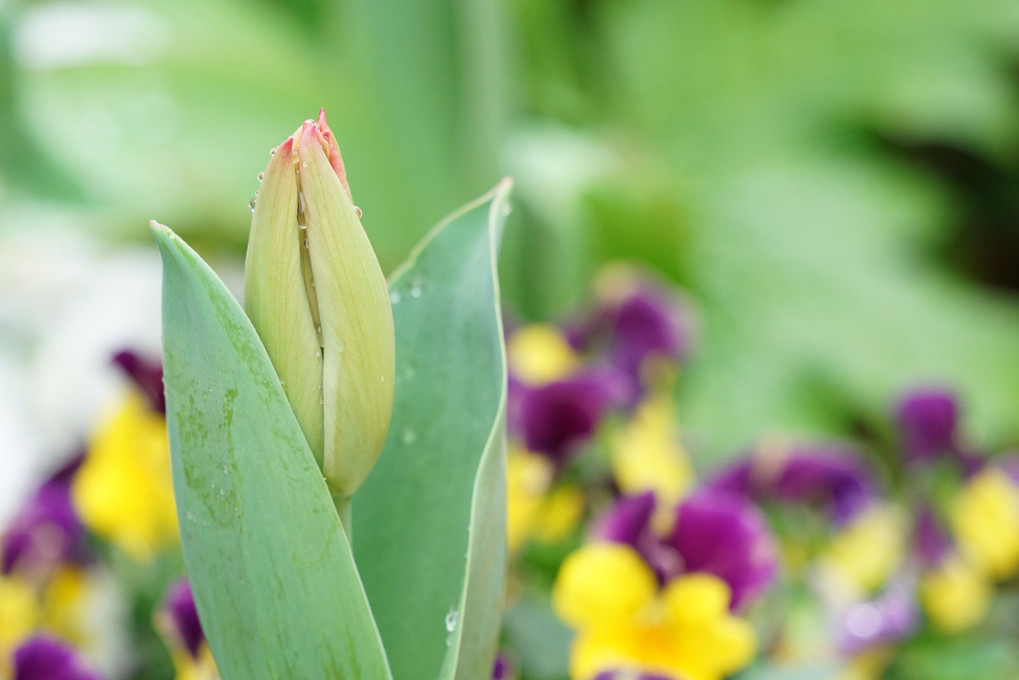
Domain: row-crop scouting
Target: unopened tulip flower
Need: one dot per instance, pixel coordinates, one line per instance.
(315, 293)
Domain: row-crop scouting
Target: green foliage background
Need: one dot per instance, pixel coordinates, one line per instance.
(834, 181)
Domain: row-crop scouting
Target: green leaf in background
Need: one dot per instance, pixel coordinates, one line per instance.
(271, 570)
(429, 522)
(538, 640)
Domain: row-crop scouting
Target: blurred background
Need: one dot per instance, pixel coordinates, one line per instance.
(833, 183)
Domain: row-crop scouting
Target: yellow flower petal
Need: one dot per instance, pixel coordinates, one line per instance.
(539, 354)
(956, 596)
(124, 489)
(602, 585)
(18, 613)
(647, 454)
(728, 645)
(865, 554)
(528, 477)
(560, 514)
(696, 599)
(985, 520)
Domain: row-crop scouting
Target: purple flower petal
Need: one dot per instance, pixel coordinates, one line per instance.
(927, 419)
(827, 475)
(724, 535)
(737, 478)
(45, 658)
(147, 376)
(887, 619)
(178, 608)
(502, 668)
(627, 520)
(930, 539)
(638, 316)
(555, 418)
(46, 533)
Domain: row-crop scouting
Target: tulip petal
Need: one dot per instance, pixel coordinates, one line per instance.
(356, 320)
(276, 298)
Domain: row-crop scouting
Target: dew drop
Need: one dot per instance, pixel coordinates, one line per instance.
(261, 176)
(304, 164)
(408, 436)
(358, 212)
(272, 151)
(382, 378)
(305, 243)
(451, 619)
(251, 204)
(394, 296)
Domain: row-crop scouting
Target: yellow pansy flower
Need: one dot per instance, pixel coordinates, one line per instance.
(647, 454)
(624, 620)
(956, 596)
(539, 353)
(985, 520)
(18, 613)
(124, 489)
(864, 555)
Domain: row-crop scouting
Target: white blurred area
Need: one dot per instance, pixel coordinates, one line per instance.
(67, 302)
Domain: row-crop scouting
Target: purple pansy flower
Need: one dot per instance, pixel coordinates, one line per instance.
(889, 618)
(147, 376)
(46, 533)
(554, 418)
(46, 658)
(826, 475)
(178, 617)
(502, 668)
(636, 318)
(931, 541)
(715, 532)
(927, 419)
(928, 422)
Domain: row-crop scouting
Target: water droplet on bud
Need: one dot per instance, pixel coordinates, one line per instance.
(358, 212)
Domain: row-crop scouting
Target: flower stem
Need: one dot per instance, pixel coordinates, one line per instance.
(343, 508)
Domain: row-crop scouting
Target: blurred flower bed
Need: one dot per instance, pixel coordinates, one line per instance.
(833, 183)
(891, 556)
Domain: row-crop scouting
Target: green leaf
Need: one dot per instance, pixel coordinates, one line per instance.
(429, 522)
(273, 576)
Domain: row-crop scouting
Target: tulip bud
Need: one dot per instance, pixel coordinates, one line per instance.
(316, 295)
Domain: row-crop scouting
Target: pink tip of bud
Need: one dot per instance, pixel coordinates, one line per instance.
(333, 150)
(286, 147)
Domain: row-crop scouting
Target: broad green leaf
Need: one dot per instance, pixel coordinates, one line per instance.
(273, 576)
(429, 522)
